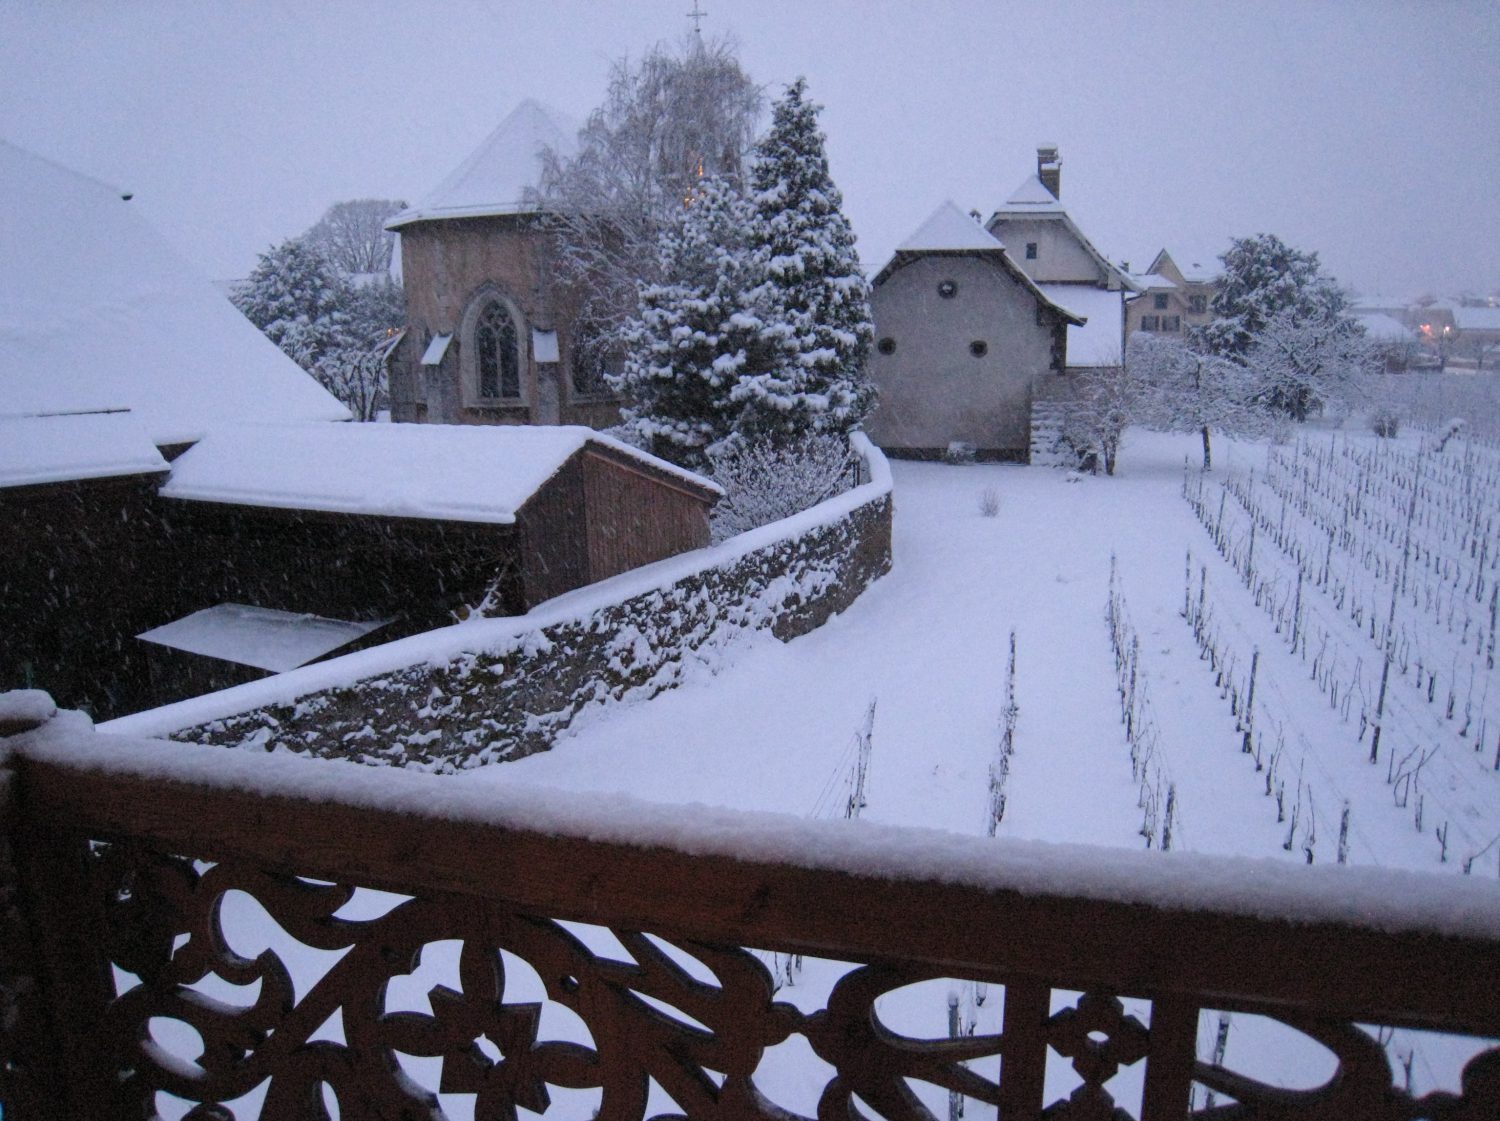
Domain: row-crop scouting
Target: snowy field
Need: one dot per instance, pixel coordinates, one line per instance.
(780, 726)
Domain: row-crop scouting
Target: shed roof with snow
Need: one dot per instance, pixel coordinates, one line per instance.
(478, 473)
(53, 449)
(98, 312)
(1384, 328)
(499, 176)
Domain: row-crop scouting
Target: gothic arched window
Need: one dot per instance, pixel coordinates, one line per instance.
(497, 356)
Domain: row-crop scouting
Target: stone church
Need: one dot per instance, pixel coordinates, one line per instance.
(488, 339)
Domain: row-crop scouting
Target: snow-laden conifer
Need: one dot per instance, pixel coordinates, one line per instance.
(706, 326)
(297, 299)
(805, 244)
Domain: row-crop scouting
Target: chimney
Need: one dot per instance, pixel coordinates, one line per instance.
(1049, 169)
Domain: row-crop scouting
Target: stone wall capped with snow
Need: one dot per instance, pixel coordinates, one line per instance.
(511, 698)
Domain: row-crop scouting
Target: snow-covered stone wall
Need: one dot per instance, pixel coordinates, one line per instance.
(510, 695)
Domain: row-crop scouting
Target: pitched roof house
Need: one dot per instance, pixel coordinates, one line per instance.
(1048, 245)
(1173, 298)
(490, 340)
(963, 335)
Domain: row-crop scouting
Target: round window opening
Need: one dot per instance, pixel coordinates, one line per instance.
(979, 348)
(886, 345)
(948, 289)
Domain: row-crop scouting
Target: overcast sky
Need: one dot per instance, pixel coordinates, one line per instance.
(1366, 130)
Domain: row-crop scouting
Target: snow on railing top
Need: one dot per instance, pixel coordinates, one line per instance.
(478, 635)
(1373, 899)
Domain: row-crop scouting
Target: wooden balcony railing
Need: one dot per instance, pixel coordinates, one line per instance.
(125, 852)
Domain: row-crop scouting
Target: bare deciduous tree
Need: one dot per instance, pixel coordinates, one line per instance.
(667, 121)
(352, 236)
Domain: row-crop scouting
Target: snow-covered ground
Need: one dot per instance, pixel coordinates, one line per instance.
(928, 646)
(778, 726)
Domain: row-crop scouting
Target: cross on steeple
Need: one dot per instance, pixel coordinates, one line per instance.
(696, 15)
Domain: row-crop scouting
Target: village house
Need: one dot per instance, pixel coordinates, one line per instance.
(1173, 299)
(489, 339)
(963, 336)
(1050, 248)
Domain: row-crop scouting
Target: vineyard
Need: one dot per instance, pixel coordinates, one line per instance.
(1377, 563)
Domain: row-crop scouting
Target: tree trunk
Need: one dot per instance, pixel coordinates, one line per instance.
(1208, 459)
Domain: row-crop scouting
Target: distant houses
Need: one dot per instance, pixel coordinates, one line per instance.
(1174, 298)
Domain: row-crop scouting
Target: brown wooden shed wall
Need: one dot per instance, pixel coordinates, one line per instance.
(636, 518)
(553, 541)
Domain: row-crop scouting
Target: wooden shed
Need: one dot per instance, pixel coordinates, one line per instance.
(415, 523)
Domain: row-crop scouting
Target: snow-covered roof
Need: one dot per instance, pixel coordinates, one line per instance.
(51, 449)
(468, 473)
(949, 229)
(1098, 341)
(98, 312)
(1152, 281)
(1382, 327)
(1477, 318)
(258, 636)
(500, 173)
(1032, 200)
(1032, 194)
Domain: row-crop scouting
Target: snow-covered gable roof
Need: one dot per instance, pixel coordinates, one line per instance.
(98, 312)
(52, 449)
(1382, 327)
(1032, 194)
(497, 178)
(1097, 341)
(1032, 199)
(1152, 282)
(468, 473)
(948, 229)
(1476, 318)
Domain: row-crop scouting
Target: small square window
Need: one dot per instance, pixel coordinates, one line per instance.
(1031, 251)
(1159, 301)
(1171, 323)
(1150, 322)
(979, 348)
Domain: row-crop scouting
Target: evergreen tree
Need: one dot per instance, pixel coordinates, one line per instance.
(335, 328)
(701, 331)
(297, 299)
(813, 278)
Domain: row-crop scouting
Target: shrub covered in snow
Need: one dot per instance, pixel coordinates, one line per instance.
(765, 481)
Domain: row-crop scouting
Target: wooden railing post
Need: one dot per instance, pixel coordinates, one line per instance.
(29, 1070)
(1169, 1065)
(54, 980)
(1023, 1056)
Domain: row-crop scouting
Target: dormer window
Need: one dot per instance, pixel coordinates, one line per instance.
(1159, 301)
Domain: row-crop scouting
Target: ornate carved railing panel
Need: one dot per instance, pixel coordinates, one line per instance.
(128, 875)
